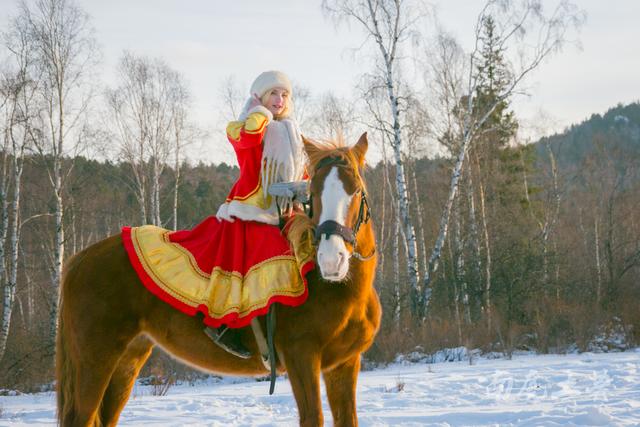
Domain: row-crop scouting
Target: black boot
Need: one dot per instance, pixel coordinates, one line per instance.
(229, 340)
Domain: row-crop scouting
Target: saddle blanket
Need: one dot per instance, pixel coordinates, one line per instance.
(228, 271)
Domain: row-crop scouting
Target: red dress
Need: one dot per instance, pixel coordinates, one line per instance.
(231, 271)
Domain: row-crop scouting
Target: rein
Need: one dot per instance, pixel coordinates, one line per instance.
(331, 227)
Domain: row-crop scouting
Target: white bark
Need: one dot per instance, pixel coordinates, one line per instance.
(176, 185)
(388, 24)
(8, 291)
(383, 213)
(487, 251)
(15, 137)
(422, 249)
(148, 109)
(396, 275)
(178, 127)
(456, 297)
(473, 221)
(596, 244)
(459, 263)
(432, 266)
(514, 19)
(64, 55)
(10, 287)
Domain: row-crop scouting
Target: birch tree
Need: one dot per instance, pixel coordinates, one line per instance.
(531, 35)
(64, 55)
(17, 92)
(389, 23)
(148, 108)
(183, 133)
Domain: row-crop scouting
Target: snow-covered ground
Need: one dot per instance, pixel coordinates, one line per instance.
(572, 390)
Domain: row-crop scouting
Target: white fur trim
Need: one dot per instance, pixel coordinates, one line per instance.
(237, 209)
(268, 80)
(282, 155)
(223, 213)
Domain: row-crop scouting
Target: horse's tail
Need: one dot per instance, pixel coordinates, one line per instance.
(65, 372)
(65, 369)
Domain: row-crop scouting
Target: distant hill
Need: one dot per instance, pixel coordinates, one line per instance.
(617, 131)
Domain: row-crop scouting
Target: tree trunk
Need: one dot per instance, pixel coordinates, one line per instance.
(487, 249)
(458, 250)
(10, 287)
(422, 241)
(444, 227)
(8, 291)
(598, 265)
(403, 203)
(396, 273)
(58, 254)
(176, 186)
(474, 241)
(383, 221)
(456, 296)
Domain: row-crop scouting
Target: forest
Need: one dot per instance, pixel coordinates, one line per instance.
(499, 241)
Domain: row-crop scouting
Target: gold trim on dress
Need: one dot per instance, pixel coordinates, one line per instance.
(174, 270)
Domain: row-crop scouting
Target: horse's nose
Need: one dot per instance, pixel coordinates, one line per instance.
(341, 260)
(332, 266)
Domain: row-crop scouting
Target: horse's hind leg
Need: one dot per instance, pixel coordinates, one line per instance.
(123, 379)
(92, 374)
(341, 392)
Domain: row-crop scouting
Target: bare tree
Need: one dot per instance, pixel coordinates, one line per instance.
(389, 23)
(183, 134)
(331, 117)
(523, 27)
(64, 54)
(17, 92)
(232, 98)
(149, 109)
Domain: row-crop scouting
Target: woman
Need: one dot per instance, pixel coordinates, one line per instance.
(231, 267)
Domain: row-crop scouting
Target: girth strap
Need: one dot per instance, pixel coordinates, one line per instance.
(266, 344)
(271, 330)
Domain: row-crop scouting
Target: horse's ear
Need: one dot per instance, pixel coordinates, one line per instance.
(309, 147)
(360, 149)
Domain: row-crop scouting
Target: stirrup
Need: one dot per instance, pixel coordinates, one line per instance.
(238, 351)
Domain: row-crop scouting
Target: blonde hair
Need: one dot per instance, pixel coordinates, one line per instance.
(288, 105)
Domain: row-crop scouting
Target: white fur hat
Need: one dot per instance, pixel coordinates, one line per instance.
(268, 80)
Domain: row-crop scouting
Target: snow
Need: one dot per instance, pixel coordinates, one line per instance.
(571, 390)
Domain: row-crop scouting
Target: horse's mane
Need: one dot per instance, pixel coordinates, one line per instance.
(300, 233)
(330, 148)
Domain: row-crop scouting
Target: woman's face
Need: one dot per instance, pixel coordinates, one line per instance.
(277, 100)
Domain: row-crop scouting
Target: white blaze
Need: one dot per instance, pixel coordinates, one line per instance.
(333, 256)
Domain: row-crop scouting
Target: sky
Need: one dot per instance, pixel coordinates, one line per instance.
(210, 40)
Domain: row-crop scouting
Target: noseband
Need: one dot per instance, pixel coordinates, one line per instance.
(331, 227)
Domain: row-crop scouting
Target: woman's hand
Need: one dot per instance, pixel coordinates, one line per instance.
(252, 102)
(298, 190)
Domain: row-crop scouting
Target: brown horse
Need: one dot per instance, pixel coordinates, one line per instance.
(109, 322)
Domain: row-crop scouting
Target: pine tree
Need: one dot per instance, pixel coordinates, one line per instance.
(495, 166)
(494, 77)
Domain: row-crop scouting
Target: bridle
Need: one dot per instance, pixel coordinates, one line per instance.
(331, 227)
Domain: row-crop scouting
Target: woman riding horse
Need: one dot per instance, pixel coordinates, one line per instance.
(108, 322)
(245, 261)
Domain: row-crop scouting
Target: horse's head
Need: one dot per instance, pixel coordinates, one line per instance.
(339, 204)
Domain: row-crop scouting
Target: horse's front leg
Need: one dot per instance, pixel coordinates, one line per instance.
(341, 391)
(303, 368)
